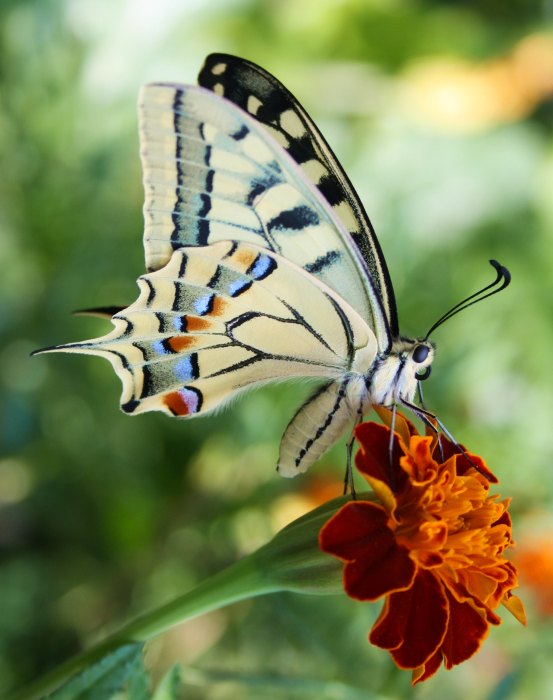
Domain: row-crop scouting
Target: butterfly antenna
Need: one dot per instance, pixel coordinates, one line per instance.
(502, 280)
(348, 476)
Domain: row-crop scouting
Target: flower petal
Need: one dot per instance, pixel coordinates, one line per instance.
(394, 571)
(373, 457)
(422, 673)
(516, 607)
(466, 631)
(359, 534)
(358, 529)
(413, 623)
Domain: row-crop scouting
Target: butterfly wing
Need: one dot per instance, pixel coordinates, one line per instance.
(211, 173)
(260, 94)
(220, 319)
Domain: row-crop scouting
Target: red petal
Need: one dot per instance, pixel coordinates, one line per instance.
(373, 458)
(413, 622)
(466, 631)
(428, 669)
(463, 465)
(358, 529)
(368, 580)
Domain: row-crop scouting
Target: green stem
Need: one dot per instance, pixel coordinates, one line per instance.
(244, 579)
(291, 561)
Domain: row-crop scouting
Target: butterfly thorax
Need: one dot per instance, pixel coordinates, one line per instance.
(393, 377)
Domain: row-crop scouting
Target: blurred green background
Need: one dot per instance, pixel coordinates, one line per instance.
(441, 113)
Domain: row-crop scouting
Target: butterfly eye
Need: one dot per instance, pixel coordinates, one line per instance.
(420, 353)
(424, 374)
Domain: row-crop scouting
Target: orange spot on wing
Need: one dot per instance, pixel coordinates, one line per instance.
(219, 305)
(196, 323)
(176, 403)
(245, 257)
(181, 342)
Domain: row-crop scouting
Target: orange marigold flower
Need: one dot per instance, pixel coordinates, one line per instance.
(434, 547)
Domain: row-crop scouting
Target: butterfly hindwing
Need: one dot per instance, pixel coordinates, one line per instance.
(211, 172)
(260, 94)
(220, 319)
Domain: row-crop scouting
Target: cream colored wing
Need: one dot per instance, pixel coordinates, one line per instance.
(219, 319)
(212, 172)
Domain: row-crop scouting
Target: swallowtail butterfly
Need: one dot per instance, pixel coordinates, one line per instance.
(262, 266)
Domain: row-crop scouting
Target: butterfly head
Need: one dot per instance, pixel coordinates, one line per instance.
(394, 376)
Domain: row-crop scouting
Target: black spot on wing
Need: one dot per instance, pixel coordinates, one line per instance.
(202, 236)
(130, 406)
(295, 219)
(301, 149)
(241, 133)
(322, 262)
(205, 208)
(331, 190)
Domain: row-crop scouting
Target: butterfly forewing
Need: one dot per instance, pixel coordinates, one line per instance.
(211, 172)
(260, 94)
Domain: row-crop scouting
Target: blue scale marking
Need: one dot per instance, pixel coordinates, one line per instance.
(201, 305)
(261, 266)
(184, 369)
(157, 346)
(238, 286)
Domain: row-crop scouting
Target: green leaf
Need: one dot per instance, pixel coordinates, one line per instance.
(119, 671)
(170, 685)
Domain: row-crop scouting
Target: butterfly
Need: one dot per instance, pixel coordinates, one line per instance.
(262, 266)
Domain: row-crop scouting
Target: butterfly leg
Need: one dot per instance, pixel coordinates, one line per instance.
(391, 447)
(348, 476)
(428, 421)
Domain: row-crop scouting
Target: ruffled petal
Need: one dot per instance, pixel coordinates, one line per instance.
(376, 565)
(514, 605)
(466, 631)
(413, 623)
(422, 673)
(358, 530)
(373, 457)
(394, 571)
